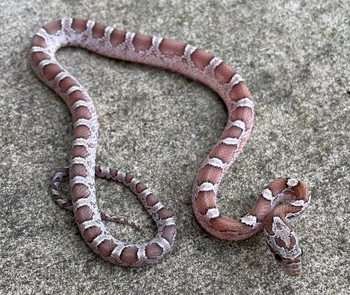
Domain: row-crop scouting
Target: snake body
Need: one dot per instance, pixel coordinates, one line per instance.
(195, 64)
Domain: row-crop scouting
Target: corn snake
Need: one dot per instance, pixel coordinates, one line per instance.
(195, 64)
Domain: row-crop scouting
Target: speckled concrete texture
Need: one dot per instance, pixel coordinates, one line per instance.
(159, 126)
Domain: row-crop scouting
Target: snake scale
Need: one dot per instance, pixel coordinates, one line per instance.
(280, 200)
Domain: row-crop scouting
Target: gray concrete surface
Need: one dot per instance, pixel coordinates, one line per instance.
(294, 56)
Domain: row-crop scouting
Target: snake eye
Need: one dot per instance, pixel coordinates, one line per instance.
(278, 257)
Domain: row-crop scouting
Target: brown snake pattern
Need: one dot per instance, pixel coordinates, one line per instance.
(196, 64)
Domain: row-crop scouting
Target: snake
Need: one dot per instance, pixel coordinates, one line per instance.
(279, 202)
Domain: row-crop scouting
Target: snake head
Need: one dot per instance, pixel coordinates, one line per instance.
(284, 245)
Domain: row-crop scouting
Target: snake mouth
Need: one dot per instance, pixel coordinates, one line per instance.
(292, 267)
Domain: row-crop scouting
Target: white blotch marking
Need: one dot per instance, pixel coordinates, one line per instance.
(60, 76)
(189, 49)
(73, 89)
(231, 141)
(235, 80)
(107, 34)
(45, 62)
(43, 34)
(249, 220)
(66, 23)
(213, 64)
(216, 162)
(292, 182)
(81, 203)
(89, 25)
(38, 49)
(55, 192)
(117, 251)
(105, 171)
(141, 253)
(156, 42)
(82, 122)
(298, 203)
(244, 102)
(267, 194)
(239, 124)
(206, 187)
(156, 207)
(212, 213)
(129, 38)
(163, 243)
